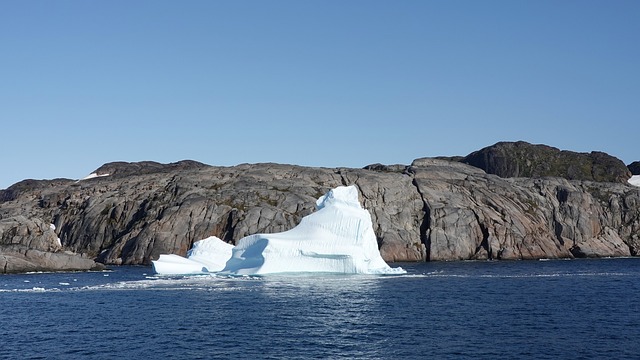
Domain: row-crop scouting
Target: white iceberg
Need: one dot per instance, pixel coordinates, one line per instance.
(635, 180)
(207, 255)
(337, 238)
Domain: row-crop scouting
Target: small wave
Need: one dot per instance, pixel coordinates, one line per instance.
(443, 274)
(35, 289)
(208, 282)
(197, 282)
(522, 276)
(419, 276)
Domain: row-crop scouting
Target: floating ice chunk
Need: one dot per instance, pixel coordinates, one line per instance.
(337, 238)
(207, 255)
(635, 180)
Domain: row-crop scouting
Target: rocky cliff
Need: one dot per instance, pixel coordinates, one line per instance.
(29, 244)
(433, 209)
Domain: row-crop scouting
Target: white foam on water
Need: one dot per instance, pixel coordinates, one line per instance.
(35, 289)
(210, 282)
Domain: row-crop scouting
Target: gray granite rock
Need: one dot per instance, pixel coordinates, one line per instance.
(474, 215)
(32, 245)
(434, 209)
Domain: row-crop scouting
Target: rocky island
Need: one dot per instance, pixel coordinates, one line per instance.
(511, 200)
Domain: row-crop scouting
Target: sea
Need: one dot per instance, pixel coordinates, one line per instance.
(556, 309)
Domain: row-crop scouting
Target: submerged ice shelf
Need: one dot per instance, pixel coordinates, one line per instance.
(337, 238)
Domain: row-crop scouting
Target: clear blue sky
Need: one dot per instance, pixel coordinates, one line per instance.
(318, 83)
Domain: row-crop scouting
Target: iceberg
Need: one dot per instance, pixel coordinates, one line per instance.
(337, 238)
(206, 256)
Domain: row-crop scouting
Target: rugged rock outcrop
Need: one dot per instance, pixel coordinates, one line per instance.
(521, 159)
(32, 245)
(634, 167)
(121, 168)
(474, 215)
(434, 209)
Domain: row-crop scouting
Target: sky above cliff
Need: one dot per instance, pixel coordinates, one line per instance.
(317, 83)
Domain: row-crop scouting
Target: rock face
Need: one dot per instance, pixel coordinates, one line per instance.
(634, 167)
(32, 245)
(434, 209)
(474, 215)
(521, 159)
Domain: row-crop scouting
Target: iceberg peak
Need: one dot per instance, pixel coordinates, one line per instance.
(345, 195)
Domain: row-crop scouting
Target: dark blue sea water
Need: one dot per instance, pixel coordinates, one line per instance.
(578, 309)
